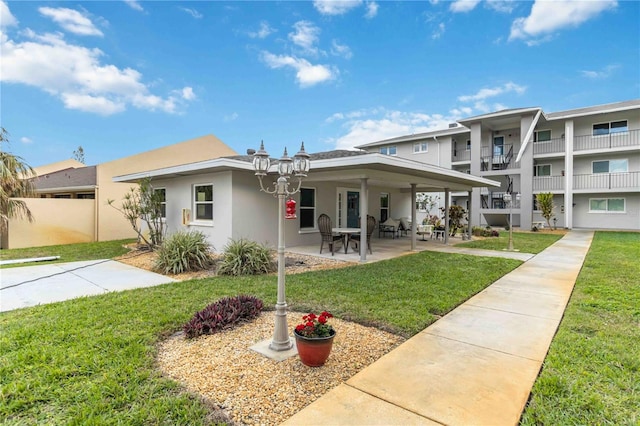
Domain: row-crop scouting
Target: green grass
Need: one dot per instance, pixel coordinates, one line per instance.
(591, 375)
(67, 253)
(91, 360)
(525, 242)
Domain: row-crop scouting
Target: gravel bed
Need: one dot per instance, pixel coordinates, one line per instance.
(255, 390)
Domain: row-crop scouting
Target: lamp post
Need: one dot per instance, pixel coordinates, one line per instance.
(299, 167)
(508, 198)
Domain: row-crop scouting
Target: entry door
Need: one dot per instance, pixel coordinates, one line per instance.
(353, 209)
(498, 146)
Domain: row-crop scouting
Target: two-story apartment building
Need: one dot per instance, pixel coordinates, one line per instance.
(589, 158)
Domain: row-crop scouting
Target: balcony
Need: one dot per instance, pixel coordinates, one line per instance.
(627, 139)
(548, 183)
(629, 181)
(495, 201)
(494, 159)
(461, 155)
(552, 146)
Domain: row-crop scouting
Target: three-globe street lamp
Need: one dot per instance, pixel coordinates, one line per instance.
(298, 167)
(508, 198)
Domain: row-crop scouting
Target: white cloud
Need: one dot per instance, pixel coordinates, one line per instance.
(135, 5)
(483, 94)
(6, 18)
(192, 12)
(305, 36)
(372, 10)
(335, 7)
(504, 6)
(187, 93)
(603, 73)
(364, 126)
(71, 20)
(231, 117)
(343, 50)
(77, 76)
(462, 6)
(307, 74)
(263, 32)
(549, 16)
(437, 33)
(25, 140)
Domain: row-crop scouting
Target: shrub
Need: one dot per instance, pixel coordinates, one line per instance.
(244, 257)
(183, 252)
(225, 313)
(478, 231)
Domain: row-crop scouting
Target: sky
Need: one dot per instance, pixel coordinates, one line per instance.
(122, 77)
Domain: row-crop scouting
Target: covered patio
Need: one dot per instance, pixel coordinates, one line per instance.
(382, 248)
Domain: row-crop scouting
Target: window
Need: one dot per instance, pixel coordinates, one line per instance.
(609, 128)
(420, 147)
(162, 197)
(307, 208)
(468, 145)
(606, 205)
(61, 195)
(87, 196)
(384, 206)
(542, 170)
(203, 202)
(388, 150)
(542, 135)
(610, 166)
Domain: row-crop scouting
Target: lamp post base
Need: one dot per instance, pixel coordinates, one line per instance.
(263, 348)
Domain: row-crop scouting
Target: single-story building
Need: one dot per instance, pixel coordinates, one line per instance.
(222, 197)
(72, 199)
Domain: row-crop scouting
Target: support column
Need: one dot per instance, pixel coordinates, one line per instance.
(414, 217)
(446, 215)
(364, 212)
(568, 174)
(469, 233)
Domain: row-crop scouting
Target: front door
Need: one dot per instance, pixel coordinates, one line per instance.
(353, 209)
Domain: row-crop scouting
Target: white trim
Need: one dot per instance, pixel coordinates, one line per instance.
(195, 203)
(525, 139)
(314, 208)
(607, 211)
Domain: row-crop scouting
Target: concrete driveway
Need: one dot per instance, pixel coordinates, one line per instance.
(35, 285)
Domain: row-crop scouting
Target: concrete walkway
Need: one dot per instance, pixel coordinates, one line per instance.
(35, 285)
(474, 366)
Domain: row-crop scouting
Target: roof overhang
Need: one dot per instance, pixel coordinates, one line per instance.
(380, 170)
(500, 120)
(65, 189)
(418, 136)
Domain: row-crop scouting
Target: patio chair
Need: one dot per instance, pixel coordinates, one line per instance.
(355, 238)
(324, 224)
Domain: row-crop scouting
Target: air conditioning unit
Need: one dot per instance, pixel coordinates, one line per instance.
(186, 216)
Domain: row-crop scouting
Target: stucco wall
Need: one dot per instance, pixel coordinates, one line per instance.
(111, 224)
(57, 221)
(630, 219)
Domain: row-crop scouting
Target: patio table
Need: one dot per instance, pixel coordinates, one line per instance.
(345, 232)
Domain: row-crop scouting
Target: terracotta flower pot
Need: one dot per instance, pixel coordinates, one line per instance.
(314, 351)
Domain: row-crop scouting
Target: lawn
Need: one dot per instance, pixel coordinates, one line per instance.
(525, 242)
(68, 252)
(591, 375)
(91, 360)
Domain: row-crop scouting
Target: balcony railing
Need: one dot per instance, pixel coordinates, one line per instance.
(491, 160)
(552, 146)
(627, 181)
(495, 200)
(461, 155)
(612, 140)
(548, 183)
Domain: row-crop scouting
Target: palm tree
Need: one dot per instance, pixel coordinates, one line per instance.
(15, 182)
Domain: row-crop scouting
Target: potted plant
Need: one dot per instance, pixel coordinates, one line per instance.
(314, 338)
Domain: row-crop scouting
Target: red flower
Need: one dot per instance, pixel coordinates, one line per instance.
(315, 326)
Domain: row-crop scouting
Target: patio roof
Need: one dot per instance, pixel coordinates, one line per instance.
(341, 166)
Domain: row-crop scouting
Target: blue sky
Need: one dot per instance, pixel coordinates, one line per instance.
(123, 77)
